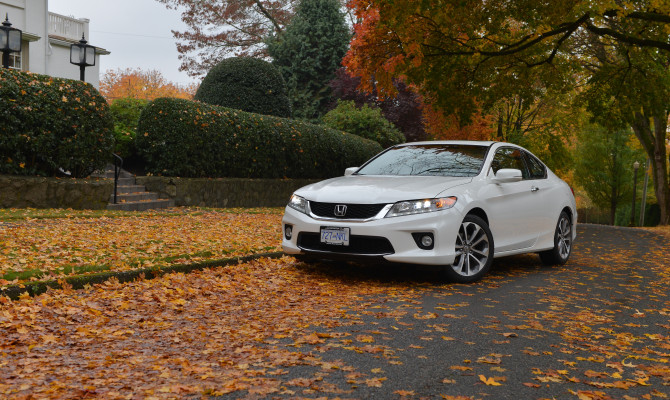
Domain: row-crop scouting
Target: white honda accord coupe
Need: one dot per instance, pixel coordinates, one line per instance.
(454, 204)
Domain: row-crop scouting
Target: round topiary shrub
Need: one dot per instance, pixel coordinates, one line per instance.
(365, 122)
(51, 126)
(247, 84)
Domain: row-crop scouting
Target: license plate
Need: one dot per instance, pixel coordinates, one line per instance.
(336, 236)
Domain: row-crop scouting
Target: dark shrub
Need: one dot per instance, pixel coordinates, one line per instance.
(366, 122)
(247, 84)
(51, 125)
(125, 113)
(190, 139)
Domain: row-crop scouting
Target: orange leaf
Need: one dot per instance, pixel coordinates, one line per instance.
(489, 381)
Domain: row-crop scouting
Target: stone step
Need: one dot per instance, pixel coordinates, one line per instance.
(130, 189)
(141, 205)
(129, 197)
(126, 181)
(123, 175)
(108, 172)
(132, 197)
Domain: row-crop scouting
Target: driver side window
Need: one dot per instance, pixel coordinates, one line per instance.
(508, 157)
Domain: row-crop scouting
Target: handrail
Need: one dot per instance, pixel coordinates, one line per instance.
(118, 164)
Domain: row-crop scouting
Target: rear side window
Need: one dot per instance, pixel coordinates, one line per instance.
(508, 157)
(536, 168)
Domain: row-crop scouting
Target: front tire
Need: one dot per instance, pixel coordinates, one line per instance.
(474, 251)
(560, 254)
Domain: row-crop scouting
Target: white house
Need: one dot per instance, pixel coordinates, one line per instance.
(46, 40)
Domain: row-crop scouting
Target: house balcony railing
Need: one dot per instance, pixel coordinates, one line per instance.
(66, 27)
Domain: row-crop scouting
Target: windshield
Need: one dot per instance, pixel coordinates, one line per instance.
(428, 160)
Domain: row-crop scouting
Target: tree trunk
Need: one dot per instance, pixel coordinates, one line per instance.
(613, 204)
(654, 144)
(615, 186)
(500, 126)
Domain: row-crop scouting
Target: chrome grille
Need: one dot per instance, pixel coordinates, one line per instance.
(353, 211)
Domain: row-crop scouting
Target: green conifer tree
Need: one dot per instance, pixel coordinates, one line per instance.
(309, 52)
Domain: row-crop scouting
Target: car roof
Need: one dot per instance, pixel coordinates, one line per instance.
(461, 142)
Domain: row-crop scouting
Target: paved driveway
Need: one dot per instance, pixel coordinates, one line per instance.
(596, 328)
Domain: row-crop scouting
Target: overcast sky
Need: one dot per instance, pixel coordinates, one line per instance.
(136, 32)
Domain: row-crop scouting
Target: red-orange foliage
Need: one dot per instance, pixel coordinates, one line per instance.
(448, 127)
(139, 84)
(379, 60)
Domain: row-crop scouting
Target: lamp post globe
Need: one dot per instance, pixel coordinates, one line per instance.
(10, 40)
(83, 55)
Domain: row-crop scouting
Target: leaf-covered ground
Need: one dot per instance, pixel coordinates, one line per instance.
(596, 328)
(48, 244)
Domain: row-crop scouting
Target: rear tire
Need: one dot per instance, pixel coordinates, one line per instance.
(474, 251)
(560, 254)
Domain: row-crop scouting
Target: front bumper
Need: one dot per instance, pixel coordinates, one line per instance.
(397, 231)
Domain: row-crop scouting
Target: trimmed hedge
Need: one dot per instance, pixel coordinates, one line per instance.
(51, 125)
(247, 84)
(183, 138)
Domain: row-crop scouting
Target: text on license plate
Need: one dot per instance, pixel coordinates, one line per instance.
(332, 235)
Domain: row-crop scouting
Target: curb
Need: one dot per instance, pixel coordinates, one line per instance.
(80, 281)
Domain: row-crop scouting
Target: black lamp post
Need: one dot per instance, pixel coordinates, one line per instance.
(83, 55)
(10, 40)
(636, 165)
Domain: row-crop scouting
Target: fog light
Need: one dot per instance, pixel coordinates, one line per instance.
(288, 232)
(427, 241)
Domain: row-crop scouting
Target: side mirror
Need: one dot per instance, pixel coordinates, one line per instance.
(350, 171)
(507, 175)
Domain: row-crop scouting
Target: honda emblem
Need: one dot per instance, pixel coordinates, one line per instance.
(340, 210)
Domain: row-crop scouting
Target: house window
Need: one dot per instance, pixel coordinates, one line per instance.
(15, 61)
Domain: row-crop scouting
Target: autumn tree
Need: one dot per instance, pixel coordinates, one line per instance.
(142, 84)
(309, 52)
(632, 84)
(221, 29)
(404, 110)
(464, 52)
(441, 126)
(603, 166)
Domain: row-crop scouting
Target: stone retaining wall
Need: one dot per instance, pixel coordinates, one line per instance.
(224, 192)
(37, 192)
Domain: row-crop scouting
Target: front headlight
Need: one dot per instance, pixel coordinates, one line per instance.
(412, 207)
(298, 203)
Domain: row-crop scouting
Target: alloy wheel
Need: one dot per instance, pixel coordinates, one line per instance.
(472, 249)
(564, 238)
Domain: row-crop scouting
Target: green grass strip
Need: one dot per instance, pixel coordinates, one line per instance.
(80, 281)
(66, 270)
(16, 214)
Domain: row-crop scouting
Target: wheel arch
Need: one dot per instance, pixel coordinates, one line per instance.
(480, 213)
(570, 213)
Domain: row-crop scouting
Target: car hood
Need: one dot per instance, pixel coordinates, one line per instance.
(363, 189)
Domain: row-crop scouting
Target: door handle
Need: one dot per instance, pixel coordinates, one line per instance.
(534, 188)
